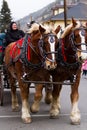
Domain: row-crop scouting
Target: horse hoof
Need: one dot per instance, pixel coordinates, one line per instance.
(35, 107)
(75, 118)
(75, 123)
(34, 110)
(16, 109)
(54, 113)
(27, 120)
(48, 101)
(54, 117)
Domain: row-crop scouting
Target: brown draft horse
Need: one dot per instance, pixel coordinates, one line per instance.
(50, 62)
(68, 68)
(25, 58)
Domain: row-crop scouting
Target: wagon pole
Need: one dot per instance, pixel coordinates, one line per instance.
(65, 13)
(46, 82)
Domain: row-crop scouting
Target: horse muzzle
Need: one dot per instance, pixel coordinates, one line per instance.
(50, 65)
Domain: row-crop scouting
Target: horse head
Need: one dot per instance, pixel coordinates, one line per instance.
(72, 40)
(35, 35)
(83, 35)
(49, 45)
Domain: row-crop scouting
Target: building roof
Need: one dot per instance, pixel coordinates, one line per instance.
(78, 11)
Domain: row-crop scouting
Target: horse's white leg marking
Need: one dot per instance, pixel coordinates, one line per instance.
(55, 108)
(75, 114)
(25, 109)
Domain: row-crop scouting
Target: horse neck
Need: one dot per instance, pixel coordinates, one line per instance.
(35, 52)
(69, 45)
(70, 49)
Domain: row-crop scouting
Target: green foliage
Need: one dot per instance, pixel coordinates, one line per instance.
(5, 16)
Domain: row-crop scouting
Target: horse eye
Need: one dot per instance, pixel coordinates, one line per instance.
(76, 36)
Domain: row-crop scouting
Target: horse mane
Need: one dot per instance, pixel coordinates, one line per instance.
(49, 29)
(69, 28)
(34, 27)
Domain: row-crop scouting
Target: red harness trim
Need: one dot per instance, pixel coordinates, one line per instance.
(28, 49)
(63, 52)
(1, 49)
(16, 49)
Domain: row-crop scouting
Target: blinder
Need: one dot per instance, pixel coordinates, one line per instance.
(83, 32)
(51, 39)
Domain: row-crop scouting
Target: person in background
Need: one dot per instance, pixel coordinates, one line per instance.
(13, 33)
(84, 68)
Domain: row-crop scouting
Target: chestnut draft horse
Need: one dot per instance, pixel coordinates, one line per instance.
(68, 68)
(24, 59)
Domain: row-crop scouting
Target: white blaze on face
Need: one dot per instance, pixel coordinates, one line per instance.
(52, 46)
(83, 47)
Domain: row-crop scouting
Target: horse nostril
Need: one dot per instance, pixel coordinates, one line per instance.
(48, 66)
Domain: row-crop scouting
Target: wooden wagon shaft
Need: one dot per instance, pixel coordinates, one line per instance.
(46, 82)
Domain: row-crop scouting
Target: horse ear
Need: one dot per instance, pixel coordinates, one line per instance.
(74, 22)
(57, 29)
(42, 29)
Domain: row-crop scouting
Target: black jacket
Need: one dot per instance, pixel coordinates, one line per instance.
(12, 36)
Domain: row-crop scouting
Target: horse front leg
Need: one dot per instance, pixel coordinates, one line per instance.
(75, 113)
(24, 90)
(55, 106)
(15, 105)
(48, 94)
(37, 98)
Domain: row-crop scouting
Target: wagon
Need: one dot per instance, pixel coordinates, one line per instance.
(3, 82)
(3, 74)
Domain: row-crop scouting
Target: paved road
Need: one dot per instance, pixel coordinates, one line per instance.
(11, 120)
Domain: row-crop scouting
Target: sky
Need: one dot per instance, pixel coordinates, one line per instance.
(22, 8)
